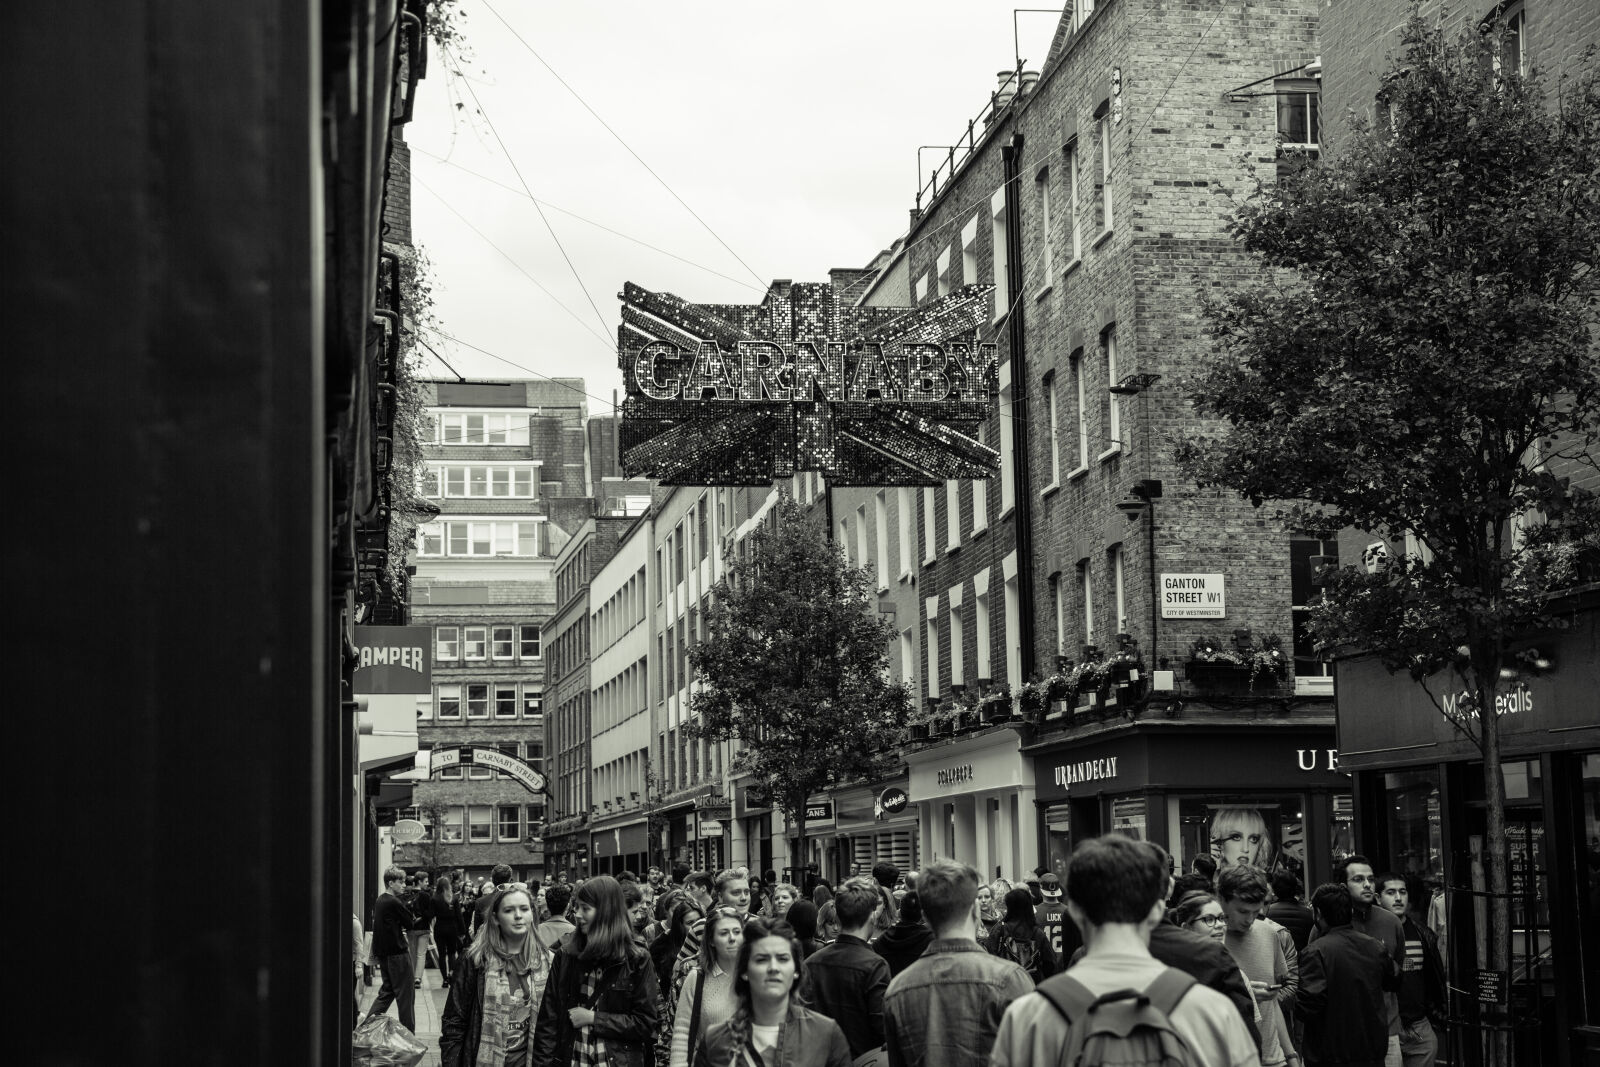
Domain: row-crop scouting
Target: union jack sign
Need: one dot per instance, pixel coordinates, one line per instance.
(721, 394)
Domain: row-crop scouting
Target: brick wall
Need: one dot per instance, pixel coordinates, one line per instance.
(397, 191)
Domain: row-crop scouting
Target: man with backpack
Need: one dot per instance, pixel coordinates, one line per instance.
(1119, 1004)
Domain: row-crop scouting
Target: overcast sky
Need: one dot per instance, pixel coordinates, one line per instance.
(790, 129)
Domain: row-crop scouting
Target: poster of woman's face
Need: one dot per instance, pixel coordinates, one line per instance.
(1239, 835)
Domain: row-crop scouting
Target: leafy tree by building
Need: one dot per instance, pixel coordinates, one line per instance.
(1423, 362)
(793, 667)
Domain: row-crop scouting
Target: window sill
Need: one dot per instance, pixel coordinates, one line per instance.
(905, 576)
(1042, 293)
(1005, 512)
(1114, 450)
(951, 550)
(1077, 261)
(1074, 475)
(1050, 490)
(928, 561)
(1105, 235)
(977, 530)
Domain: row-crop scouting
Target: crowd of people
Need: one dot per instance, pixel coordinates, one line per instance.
(1122, 959)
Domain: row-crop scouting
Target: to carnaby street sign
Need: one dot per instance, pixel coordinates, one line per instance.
(531, 780)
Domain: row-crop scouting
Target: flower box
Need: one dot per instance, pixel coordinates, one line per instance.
(944, 726)
(996, 711)
(919, 731)
(1225, 677)
(967, 720)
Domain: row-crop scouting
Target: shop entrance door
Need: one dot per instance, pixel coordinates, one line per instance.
(1532, 1001)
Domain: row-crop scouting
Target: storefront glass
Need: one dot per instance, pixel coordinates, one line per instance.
(1058, 838)
(1589, 887)
(1266, 831)
(1416, 835)
(1128, 817)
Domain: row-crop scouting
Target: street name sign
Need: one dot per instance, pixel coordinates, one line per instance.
(1193, 596)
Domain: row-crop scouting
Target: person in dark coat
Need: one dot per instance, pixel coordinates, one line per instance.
(498, 985)
(1018, 937)
(447, 931)
(602, 993)
(1343, 977)
(1288, 910)
(802, 915)
(904, 942)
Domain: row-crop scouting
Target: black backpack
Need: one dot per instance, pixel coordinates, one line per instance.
(1124, 1027)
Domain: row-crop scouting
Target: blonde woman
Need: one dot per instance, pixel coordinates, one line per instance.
(1239, 838)
(499, 983)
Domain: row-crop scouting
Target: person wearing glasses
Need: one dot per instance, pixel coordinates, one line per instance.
(1200, 912)
(707, 997)
(499, 983)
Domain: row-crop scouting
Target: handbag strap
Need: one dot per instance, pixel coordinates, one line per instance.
(694, 1014)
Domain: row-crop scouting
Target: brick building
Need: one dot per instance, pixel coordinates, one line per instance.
(507, 467)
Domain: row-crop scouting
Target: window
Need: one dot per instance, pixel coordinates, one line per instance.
(905, 503)
(480, 538)
(1086, 594)
(969, 252)
(468, 428)
(980, 489)
(1113, 402)
(931, 637)
(880, 526)
(425, 707)
(1081, 395)
(1008, 458)
(1119, 595)
(1081, 10)
(503, 642)
(1058, 610)
(1509, 21)
(447, 643)
(942, 266)
(512, 480)
(1303, 592)
(510, 822)
(505, 700)
(930, 532)
(480, 824)
(1052, 418)
(1013, 623)
(952, 514)
(920, 289)
(1047, 242)
(957, 646)
(908, 659)
(476, 642)
(478, 700)
(1298, 121)
(980, 627)
(529, 637)
(453, 818)
(448, 699)
(1102, 185)
(862, 559)
(1074, 226)
(533, 702)
(997, 235)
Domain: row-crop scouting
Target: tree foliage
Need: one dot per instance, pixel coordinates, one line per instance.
(793, 665)
(1422, 359)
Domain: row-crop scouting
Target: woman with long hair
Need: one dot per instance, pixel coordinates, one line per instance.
(769, 1025)
(499, 983)
(600, 1003)
(447, 928)
(707, 997)
(1239, 837)
(988, 907)
(1019, 937)
(827, 912)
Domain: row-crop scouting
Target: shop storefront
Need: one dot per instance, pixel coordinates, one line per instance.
(975, 804)
(751, 838)
(1420, 811)
(866, 831)
(620, 848)
(708, 845)
(1271, 795)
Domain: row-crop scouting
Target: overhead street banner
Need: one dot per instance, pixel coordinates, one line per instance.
(441, 758)
(393, 659)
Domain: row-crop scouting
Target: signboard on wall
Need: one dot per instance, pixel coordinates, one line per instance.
(722, 394)
(1193, 596)
(393, 659)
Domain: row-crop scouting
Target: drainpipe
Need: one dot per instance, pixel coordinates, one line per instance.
(1022, 517)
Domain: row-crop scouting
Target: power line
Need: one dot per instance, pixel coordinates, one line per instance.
(623, 143)
(591, 222)
(451, 208)
(542, 218)
(513, 363)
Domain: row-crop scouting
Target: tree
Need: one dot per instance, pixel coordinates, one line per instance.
(1422, 360)
(794, 667)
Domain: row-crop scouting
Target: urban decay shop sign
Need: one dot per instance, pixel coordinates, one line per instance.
(721, 394)
(393, 659)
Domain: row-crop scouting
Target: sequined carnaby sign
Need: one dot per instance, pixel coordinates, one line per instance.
(722, 394)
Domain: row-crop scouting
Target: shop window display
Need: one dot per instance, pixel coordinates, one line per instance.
(1416, 836)
(1260, 831)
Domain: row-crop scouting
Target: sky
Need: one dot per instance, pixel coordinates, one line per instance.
(790, 130)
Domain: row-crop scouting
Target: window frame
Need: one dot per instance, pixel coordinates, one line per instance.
(523, 641)
(1073, 165)
(467, 641)
(440, 655)
(470, 701)
(1047, 243)
(1105, 212)
(472, 824)
(500, 822)
(510, 642)
(442, 699)
(498, 697)
(1113, 408)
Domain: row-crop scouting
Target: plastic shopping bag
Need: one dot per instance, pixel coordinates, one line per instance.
(381, 1041)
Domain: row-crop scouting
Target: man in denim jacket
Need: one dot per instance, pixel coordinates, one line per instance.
(944, 1010)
